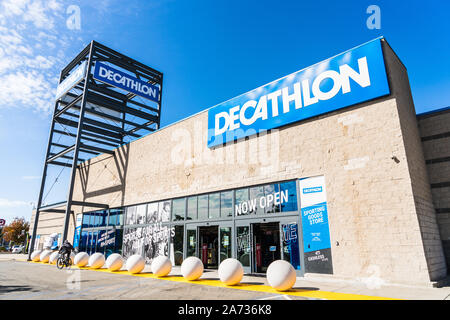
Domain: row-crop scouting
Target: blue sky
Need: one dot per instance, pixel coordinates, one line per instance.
(209, 52)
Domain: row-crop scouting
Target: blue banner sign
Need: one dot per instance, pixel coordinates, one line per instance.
(352, 77)
(76, 237)
(315, 228)
(71, 81)
(125, 81)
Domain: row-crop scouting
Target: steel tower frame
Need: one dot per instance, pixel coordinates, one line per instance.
(95, 112)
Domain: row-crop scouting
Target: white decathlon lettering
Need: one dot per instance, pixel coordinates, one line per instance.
(333, 75)
(274, 99)
(296, 96)
(362, 78)
(103, 72)
(302, 94)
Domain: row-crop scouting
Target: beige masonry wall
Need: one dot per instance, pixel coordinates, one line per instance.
(435, 132)
(381, 215)
(423, 200)
(49, 223)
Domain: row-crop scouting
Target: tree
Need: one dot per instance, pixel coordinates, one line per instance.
(16, 231)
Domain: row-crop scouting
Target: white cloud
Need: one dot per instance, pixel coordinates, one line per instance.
(31, 177)
(13, 203)
(14, 7)
(41, 13)
(32, 52)
(29, 89)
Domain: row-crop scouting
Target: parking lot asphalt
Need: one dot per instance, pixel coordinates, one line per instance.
(20, 280)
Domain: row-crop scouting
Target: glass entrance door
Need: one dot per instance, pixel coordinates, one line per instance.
(209, 246)
(191, 241)
(266, 245)
(225, 241)
(244, 245)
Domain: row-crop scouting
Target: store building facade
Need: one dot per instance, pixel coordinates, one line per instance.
(344, 193)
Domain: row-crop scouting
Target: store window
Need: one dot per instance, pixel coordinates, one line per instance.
(130, 215)
(152, 212)
(115, 217)
(120, 217)
(290, 189)
(83, 241)
(118, 241)
(101, 237)
(255, 203)
(85, 221)
(92, 219)
(178, 209)
(93, 248)
(214, 205)
(226, 204)
(164, 211)
(290, 244)
(96, 219)
(271, 194)
(102, 217)
(191, 208)
(203, 207)
(141, 213)
(241, 204)
(112, 217)
(177, 243)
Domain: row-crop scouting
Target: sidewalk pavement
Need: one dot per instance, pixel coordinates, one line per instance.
(325, 288)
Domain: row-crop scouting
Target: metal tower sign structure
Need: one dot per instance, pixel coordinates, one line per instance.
(103, 99)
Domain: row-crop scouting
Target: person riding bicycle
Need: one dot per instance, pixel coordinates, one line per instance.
(66, 249)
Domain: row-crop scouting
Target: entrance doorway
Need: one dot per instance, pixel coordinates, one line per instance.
(209, 246)
(266, 245)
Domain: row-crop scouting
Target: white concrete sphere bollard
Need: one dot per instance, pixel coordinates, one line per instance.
(231, 271)
(45, 256)
(96, 261)
(53, 257)
(35, 256)
(192, 268)
(161, 266)
(114, 262)
(281, 275)
(81, 259)
(135, 264)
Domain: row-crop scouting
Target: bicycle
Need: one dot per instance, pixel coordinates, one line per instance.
(64, 261)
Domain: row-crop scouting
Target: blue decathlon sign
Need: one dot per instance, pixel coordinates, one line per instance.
(312, 190)
(125, 81)
(71, 81)
(349, 78)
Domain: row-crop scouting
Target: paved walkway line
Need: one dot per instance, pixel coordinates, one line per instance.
(318, 294)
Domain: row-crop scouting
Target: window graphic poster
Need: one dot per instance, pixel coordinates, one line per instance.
(106, 238)
(316, 233)
(77, 233)
(290, 241)
(148, 241)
